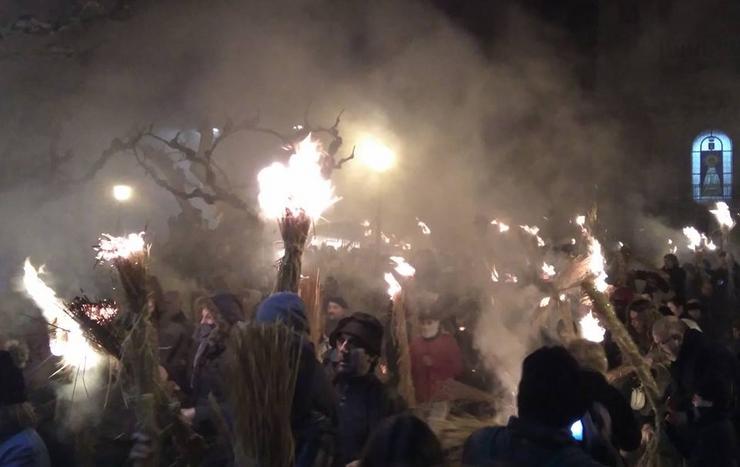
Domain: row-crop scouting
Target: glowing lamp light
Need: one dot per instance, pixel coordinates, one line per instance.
(122, 193)
(375, 155)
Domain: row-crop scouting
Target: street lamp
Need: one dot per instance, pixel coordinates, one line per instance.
(122, 193)
(375, 155)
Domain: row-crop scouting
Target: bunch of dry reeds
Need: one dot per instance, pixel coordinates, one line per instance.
(603, 308)
(310, 292)
(294, 230)
(98, 322)
(401, 337)
(263, 360)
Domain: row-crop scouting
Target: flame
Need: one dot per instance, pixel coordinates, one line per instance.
(365, 223)
(696, 239)
(406, 246)
(544, 302)
(402, 267)
(591, 329)
(533, 231)
(368, 232)
(385, 238)
(66, 339)
(548, 270)
(494, 274)
(596, 264)
(580, 220)
(510, 278)
(562, 297)
(724, 217)
(424, 227)
(501, 226)
(111, 248)
(298, 186)
(673, 249)
(394, 288)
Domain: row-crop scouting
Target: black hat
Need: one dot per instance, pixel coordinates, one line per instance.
(228, 306)
(362, 326)
(12, 386)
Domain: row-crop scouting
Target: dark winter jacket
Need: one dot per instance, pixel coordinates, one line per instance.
(714, 441)
(363, 403)
(626, 434)
(524, 444)
(699, 360)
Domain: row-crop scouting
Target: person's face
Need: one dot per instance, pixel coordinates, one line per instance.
(736, 333)
(335, 311)
(429, 328)
(670, 343)
(635, 321)
(353, 359)
(668, 262)
(694, 314)
(206, 317)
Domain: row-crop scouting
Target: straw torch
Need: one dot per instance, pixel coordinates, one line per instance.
(295, 195)
(400, 328)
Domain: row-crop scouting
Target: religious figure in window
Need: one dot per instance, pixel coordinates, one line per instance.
(711, 183)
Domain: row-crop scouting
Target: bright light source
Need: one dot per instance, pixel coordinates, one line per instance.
(122, 193)
(374, 154)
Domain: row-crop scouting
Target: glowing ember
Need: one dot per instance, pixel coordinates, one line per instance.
(562, 297)
(591, 329)
(548, 270)
(501, 226)
(368, 232)
(494, 274)
(385, 238)
(424, 227)
(724, 218)
(394, 288)
(544, 302)
(580, 220)
(596, 264)
(66, 339)
(297, 187)
(111, 248)
(620, 245)
(402, 267)
(406, 246)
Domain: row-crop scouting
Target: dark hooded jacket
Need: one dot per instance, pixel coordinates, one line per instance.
(313, 415)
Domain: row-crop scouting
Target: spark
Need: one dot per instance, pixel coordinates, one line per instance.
(424, 227)
(67, 339)
(111, 248)
(544, 302)
(591, 329)
(384, 237)
(534, 231)
(562, 297)
(298, 187)
(365, 223)
(510, 278)
(580, 220)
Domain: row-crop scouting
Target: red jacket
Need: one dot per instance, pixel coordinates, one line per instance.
(443, 362)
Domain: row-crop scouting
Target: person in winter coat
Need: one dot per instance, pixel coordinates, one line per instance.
(551, 398)
(364, 401)
(697, 364)
(20, 445)
(218, 315)
(314, 410)
(435, 357)
(403, 440)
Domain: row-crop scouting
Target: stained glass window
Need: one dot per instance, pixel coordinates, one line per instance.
(711, 167)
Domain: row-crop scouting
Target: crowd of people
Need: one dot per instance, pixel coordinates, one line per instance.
(578, 403)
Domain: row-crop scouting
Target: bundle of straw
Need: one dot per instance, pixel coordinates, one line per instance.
(310, 292)
(97, 321)
(294, 230)
(629, 349)
(264, 361)
(401, 337)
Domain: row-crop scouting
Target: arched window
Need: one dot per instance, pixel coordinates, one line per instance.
(711, 167)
